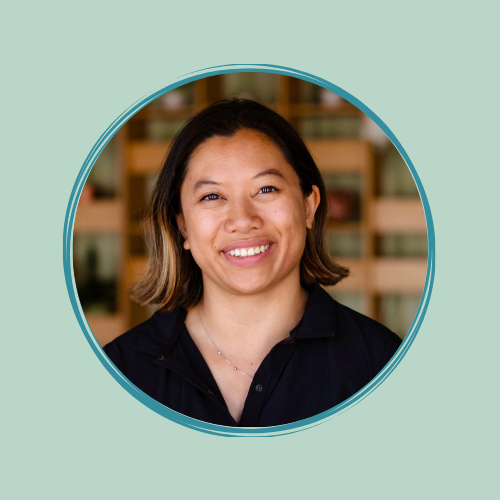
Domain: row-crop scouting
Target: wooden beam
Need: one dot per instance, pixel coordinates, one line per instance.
(398, 216)
(100, 216)
(398, 275)
(342, 155)
(147, 157)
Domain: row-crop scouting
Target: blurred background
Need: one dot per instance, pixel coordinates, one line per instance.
(376, 220)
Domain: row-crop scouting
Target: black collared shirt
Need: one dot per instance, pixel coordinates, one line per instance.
(329, 356)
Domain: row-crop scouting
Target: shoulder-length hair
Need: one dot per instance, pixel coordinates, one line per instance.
(172, 278)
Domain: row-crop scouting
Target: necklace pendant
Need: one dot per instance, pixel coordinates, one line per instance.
(216, 348)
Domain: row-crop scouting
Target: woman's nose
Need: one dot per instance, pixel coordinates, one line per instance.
(242, 217)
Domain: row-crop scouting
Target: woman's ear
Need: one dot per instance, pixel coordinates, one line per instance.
(182, 229)
(312, 202)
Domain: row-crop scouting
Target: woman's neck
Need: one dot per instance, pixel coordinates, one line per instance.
(264, 318)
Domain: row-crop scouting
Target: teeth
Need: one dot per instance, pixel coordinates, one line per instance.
(248, 252)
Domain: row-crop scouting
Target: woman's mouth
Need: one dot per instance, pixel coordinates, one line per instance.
(248, 256)
(248, 252)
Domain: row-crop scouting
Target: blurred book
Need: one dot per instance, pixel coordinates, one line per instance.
(402, 245)
(313, 94)
(343, 196)
(330, 99)
(95, 263)
(258, 86)
(395, 178)
(175, 99)
(163, 129)
(102, 181)
(331, 127)
(344, 244)
(308, 92)
(353, 300)
(397, 312)
(373, 133)
(343, 205)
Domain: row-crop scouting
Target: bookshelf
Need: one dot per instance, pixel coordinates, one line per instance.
(376, 239)
(99, 244)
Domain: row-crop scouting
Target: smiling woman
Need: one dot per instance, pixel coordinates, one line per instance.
(240, 195)
(244, 333)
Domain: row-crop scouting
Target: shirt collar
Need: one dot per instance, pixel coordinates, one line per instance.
(319, 316)
(162, 330)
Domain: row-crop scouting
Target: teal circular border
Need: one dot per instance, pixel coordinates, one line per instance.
(144, 398)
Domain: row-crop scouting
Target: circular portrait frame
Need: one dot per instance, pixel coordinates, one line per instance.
(131, 388)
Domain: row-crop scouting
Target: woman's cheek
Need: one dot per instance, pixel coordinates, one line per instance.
(206, 227)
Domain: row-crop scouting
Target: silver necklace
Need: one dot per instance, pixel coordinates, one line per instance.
(217, 349)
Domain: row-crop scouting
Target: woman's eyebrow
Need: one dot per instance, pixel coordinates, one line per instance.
(271, 171)
(207, 182)
(204, 182)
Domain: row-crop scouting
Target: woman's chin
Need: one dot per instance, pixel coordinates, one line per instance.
(253, 284)
(254, 280)
(248, 288)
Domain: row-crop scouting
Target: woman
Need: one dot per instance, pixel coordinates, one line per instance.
(244, 334)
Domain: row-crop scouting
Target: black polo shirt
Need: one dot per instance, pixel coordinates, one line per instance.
(330, 355)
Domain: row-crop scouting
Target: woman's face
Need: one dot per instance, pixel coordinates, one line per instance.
(244, 216)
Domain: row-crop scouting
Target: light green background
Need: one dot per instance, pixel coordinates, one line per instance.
(430, 71)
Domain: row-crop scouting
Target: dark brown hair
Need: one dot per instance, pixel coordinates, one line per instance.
(172, 277)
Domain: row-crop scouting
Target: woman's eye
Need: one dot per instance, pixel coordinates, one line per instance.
(210, 197)
(268, 189)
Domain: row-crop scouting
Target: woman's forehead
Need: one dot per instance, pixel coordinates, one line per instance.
(245, 152)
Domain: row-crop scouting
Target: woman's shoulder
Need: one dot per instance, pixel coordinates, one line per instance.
(325, 309)
(349, 317)
(358, 329)
(352, 332)
(152, 337)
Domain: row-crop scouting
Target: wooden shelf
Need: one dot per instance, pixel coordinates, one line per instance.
(349, 155)
(146, 157)
(389, 216)
(404, 275)
(370, 276)
(100, 216)
(398, 216)
(383, 276)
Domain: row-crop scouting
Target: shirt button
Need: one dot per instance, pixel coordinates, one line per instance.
(259, 388)
(162, 356)
(210, 392)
